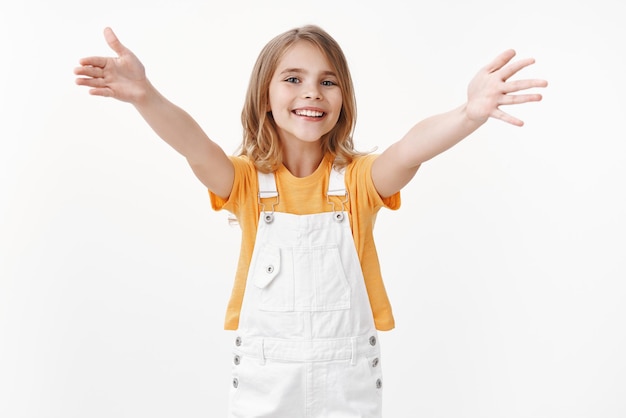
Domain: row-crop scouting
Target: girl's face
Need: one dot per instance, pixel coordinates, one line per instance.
(304, 97)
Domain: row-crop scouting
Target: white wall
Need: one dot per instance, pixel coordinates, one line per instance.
(505, 265)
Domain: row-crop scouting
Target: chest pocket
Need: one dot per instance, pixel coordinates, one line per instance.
(298, 279)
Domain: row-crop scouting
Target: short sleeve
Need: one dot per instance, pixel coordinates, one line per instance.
(243, 184)
(359, 173)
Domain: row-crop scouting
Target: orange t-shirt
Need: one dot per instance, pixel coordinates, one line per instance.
(303, 196)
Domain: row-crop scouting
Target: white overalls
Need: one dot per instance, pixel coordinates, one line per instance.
(307, 346)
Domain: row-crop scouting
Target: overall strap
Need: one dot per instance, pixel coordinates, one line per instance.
(336, 187)
(267, 185)
(336, 183)
(267, 188)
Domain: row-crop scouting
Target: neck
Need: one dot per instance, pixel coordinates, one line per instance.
(303, 160)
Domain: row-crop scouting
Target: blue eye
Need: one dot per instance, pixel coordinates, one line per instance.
(328, 83)
(292, 80)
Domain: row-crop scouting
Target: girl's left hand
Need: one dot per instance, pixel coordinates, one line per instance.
(490, 89)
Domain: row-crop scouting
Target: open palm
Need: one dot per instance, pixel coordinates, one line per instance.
(491, 88)
(122, 77)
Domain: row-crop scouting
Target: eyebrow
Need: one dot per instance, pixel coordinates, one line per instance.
(302, 70)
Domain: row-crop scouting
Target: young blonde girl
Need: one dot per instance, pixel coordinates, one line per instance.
(308, 297)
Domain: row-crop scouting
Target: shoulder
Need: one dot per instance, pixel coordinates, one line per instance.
(245, 184)
(360, 169)
(245, 174)
(361, 162)
(242, 163)
(359, 181)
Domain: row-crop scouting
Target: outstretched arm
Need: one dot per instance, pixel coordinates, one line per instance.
(124, 78)
(487, 91)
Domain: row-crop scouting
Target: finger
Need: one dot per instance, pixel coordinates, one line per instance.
(511, 99)
(518, 85)
(90, 82)
(514, 67)
(114, 42)
(89, 71)
(104, 92)
(500, 61)
(503, 116)
(93, 61)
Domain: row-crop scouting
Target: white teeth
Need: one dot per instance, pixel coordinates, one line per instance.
(310, 113)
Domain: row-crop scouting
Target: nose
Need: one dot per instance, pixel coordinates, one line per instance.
(312, 91)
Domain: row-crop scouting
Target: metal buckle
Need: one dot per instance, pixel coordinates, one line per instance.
(268, 217)
(338, 215)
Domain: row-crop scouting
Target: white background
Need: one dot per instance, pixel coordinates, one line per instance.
(505, 265)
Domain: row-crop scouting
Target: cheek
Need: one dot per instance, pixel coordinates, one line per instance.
(273, 98)
(338, 107)
(337, 102)
(268, 103)
(336, 119)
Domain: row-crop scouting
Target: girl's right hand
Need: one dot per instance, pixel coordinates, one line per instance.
(122, 77)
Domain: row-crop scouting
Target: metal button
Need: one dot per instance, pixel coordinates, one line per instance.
(237, 360)
(238, 341)
(269, 269)
(268, 218)
(235, 383)
(375, 362)
(338, 216)
(372, 340)
(379, 383)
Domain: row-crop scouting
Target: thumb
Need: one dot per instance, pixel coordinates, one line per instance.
(113, 42)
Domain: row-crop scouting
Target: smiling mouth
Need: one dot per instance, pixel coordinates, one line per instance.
(309, 113)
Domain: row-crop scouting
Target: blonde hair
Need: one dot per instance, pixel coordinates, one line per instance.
(260, 136)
